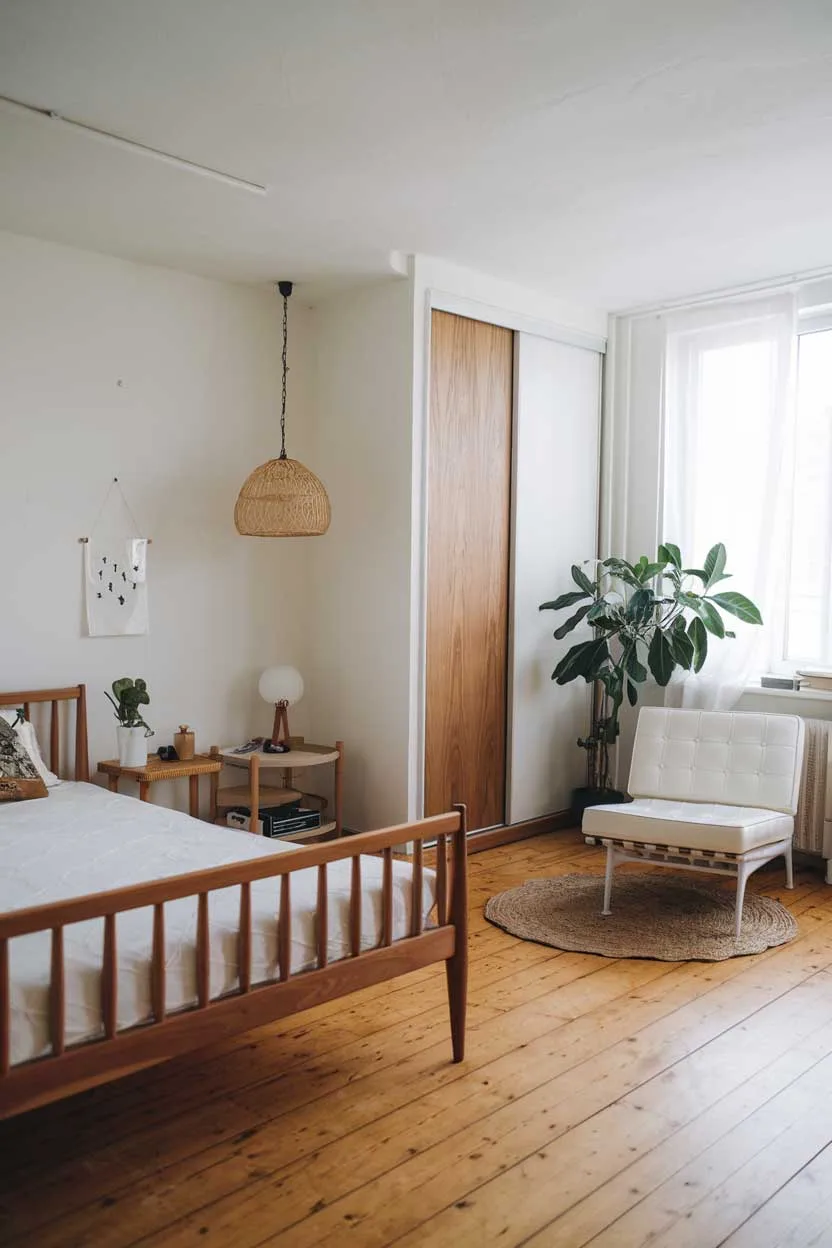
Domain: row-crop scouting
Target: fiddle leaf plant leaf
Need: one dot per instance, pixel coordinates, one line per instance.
(699, 640)
(711, 618)
(715, 564)
(671, 554)
(660, 658)
(572, 622)
(740, 606)
(582, 580)
(565, 600)
(586, 659)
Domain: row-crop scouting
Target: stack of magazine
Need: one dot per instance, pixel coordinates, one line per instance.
(815, 678)
(276, 820)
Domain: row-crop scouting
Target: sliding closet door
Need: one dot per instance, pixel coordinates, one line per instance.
(555, 525)
(469, 499)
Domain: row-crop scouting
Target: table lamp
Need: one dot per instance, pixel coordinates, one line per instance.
(284, 687)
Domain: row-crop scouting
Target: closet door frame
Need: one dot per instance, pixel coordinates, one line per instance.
(446, 301)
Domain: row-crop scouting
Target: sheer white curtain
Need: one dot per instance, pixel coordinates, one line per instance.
(728, 472)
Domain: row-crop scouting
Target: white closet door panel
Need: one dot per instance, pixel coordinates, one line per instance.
(556, 469)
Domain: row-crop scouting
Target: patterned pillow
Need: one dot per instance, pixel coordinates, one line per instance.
(19, 778)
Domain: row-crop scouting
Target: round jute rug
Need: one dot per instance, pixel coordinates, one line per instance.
(664, 916)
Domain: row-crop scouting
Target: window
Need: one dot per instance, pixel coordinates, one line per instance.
(748, 462)
(808, 632)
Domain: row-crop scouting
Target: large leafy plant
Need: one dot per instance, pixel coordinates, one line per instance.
(647, 618)
(128, 696)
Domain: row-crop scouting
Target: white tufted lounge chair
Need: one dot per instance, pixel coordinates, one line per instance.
(712, 792)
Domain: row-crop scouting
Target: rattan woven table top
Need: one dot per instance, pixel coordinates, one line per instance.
(161, 769)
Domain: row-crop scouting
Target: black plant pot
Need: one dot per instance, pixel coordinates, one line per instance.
(581, 798)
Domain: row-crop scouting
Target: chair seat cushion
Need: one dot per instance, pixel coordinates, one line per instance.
(688, 825)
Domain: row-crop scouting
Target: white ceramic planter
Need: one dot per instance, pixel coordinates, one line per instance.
(132, 746)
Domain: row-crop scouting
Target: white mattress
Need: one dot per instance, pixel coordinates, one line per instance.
(82, 839)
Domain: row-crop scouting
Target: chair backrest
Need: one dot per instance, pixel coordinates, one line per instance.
(716, 756)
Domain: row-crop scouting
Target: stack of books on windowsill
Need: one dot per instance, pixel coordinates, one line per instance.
(815, 678)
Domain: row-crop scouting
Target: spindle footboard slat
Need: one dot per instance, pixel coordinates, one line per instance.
(158, 968)
(109, 977)
(355, 907)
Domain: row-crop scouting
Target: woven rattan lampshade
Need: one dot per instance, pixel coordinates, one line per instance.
(282, 499)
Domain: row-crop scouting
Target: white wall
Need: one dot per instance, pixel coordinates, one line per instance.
(171, 383)
(358, 631)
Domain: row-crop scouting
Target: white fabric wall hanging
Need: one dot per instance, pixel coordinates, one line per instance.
(115, 577)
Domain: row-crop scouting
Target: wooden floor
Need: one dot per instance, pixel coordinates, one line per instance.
(602, 1102)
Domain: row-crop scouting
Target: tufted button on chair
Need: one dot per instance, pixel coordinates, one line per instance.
(711, 791)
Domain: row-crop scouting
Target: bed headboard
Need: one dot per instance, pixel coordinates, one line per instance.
(76, 694)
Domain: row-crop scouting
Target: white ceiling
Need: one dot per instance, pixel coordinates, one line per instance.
(614, 151)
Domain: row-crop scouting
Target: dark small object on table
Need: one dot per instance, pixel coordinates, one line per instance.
(270, 747)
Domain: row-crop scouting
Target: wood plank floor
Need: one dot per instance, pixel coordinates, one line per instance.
(612, 1103)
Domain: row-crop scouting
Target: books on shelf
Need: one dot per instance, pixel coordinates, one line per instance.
(276, 820)
(815, 678)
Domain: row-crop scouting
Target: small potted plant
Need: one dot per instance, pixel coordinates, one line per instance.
(132, 731)
(647, 618)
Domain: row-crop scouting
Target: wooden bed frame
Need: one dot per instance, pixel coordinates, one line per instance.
(120, 1052)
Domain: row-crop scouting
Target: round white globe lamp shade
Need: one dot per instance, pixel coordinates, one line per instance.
(281, 684)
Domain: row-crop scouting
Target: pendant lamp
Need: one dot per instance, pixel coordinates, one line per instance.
(282, 498)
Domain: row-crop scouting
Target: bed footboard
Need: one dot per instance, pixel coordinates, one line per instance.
(67, 1070)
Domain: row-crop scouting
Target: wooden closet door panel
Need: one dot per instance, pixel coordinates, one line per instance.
(469, 505)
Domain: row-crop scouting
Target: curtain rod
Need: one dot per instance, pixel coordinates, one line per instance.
(771, 285)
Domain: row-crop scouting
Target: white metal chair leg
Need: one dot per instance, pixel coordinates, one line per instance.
(742, 875)
(789, 868)
(608, 880)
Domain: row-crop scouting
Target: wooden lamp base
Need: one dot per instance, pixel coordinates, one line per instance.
(280, 729)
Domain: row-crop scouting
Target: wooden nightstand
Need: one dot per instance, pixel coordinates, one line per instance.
(158, 769)
(255, 795)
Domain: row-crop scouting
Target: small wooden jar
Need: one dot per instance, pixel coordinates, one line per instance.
(183, 743)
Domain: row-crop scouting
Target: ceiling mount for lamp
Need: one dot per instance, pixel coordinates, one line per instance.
(282, 498)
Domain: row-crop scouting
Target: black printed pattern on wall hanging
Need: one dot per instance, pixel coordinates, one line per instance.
(116, 585)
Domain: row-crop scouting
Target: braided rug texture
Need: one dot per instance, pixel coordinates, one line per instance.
(666, 916)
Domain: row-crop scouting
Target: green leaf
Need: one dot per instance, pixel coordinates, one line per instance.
(681, 645)
(571, 623)
(699, 639)
(711, 618)
(652, 569)
(623, 570)
(632, 693)
(635, 670)
(601, 608)
(615, 565)
(587, 659)
(671, 554)
(640, 606)
(715, 564)
(660, 658)
(740, 606)
(565, 600)
(703, 576)
(582, 580)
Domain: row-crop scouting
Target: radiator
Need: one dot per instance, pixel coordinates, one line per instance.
(813, 823)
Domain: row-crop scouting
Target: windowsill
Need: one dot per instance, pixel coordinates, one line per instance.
(801, 695)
